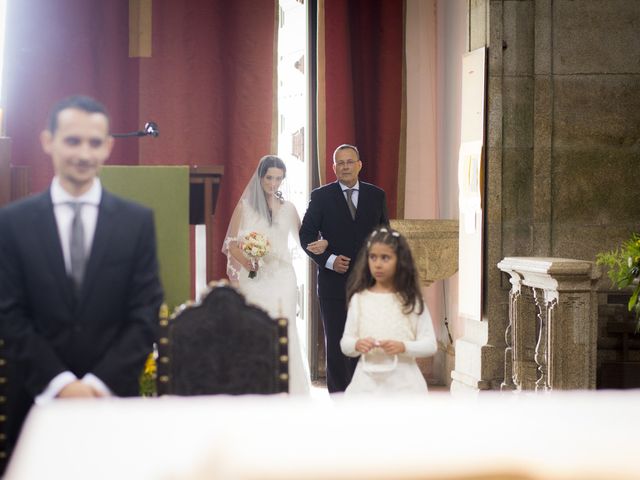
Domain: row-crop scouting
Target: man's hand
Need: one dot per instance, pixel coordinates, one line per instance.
(77, 389)
(341, 264)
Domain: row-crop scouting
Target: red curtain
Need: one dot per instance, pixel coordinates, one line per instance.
(208, 84)
(364, 44)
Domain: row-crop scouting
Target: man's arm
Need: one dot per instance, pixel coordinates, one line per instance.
(311, 228)
(130, 348)
(25, 347)
(384, 216)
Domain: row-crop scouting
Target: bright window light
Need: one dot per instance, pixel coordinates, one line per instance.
(3, 15)
(292, 120)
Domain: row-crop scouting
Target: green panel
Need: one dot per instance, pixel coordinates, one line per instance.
(166, 191)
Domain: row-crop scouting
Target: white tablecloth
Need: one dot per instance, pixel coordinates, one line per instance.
(562, 435)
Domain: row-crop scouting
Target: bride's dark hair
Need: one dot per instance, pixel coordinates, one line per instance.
(254, 195)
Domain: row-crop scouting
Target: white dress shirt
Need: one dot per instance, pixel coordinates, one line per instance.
(354, 199)
(63, 213)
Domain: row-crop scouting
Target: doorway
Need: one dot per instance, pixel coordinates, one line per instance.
(292, 139)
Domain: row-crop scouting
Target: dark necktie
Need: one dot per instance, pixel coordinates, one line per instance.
(352, 207)
(76, 246)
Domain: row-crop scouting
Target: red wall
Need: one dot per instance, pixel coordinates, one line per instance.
(208, 84)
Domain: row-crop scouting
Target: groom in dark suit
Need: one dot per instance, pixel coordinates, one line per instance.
(344, 213)
(79, 285)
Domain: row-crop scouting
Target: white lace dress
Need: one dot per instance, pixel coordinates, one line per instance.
(274, 288)
(380, 316)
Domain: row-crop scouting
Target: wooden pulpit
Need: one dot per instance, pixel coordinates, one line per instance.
(5, 170)
(14, 180)
(204, 184)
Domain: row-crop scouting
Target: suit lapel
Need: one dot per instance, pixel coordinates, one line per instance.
(52, 246)
(106, 216)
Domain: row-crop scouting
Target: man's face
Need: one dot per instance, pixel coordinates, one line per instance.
(78, 148)
(347, 166)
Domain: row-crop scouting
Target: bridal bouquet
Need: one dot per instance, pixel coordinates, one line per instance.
(255, 246)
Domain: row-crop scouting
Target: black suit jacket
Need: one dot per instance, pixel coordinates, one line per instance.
(108, 327)
(328, 214)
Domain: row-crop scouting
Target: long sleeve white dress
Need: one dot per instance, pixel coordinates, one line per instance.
(380, 316)
(274, 288)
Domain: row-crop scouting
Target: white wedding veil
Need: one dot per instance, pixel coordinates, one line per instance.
(253, 198)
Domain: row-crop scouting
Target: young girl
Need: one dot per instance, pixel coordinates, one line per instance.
(388, 324)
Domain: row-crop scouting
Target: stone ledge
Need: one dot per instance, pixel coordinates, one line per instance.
(434, 244)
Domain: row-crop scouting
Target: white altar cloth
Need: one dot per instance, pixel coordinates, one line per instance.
(585, 435)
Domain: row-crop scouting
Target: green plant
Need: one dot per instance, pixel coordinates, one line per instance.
(624, 270)
(148, 378)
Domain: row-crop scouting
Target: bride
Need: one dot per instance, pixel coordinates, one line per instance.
(272, 284)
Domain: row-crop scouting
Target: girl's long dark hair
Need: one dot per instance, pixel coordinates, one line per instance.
(405, 281)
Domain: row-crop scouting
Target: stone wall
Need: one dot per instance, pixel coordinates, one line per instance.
(563, 148)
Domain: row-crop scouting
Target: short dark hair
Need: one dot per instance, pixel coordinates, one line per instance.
(345, 146)
(271, 161)
(405, 280)
(78, 102)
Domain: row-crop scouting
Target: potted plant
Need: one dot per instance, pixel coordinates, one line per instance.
(624, 270)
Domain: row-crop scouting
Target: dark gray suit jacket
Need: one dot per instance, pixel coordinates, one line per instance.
(329, 215)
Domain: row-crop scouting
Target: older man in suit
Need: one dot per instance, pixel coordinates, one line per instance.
(344, 213)
(79, 284)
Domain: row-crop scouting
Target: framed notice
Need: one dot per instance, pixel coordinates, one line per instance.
(471, 184)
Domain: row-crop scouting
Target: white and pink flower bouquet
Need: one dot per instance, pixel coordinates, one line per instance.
(254, 246)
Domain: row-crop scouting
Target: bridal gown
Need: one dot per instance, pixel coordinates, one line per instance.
(274, 288)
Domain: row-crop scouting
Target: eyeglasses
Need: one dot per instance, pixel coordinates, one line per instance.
(349, 163)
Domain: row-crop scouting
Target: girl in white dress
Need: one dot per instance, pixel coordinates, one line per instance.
(272, 284)
(388, 324)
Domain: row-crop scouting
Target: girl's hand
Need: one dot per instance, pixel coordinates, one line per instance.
(392, 347)
(364, 345)
(318, 247)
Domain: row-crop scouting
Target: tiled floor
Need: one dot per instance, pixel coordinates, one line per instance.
(319, 389)
(439, 389)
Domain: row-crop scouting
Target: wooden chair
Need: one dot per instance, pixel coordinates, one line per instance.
(222, 345)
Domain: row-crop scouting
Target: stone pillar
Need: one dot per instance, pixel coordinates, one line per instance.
(565, 340)
(562, 122)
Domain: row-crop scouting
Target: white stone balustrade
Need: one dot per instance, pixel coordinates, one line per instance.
(552, 332)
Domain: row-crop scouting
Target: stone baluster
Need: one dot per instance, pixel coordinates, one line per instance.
(556, 347)
(509, 336)
(544, 308)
